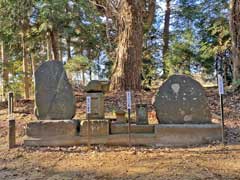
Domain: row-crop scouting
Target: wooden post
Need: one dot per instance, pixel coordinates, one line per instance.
(221, 92)
(11, 133)
(10, 103)
(129, 103)
(11, 122)
(88, 120)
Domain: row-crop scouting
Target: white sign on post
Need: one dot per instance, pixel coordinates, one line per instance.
(88, 104)
(129, 100)
(220, 84)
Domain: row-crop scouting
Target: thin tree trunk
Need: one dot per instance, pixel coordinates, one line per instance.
(68, 40)
(25, 66)
(166, 36)
(33, 64)
(127, 70)
(235, 33)
(49, 48)
(54, 43)
(83, 77)
(4, 71)
(90, 73)
(60, 50)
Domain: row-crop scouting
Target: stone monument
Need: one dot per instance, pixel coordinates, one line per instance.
(54, 104)
(182, 100)
(95, 89)
(54, 98)
(141, 114)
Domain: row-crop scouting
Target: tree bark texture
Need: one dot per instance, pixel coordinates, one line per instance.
(68, 40)
(49, 47)
(54, 43)
(25, 66)
(127, 69)
(235, 33)
(4, 71)
(166, 36)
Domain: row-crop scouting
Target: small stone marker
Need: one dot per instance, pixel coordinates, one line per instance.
(95, 91)
(54, 98)
(181, 100)
(97, 106)
(120, 116)
(141, 114)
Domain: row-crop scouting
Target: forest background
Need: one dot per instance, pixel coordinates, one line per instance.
(129, 42)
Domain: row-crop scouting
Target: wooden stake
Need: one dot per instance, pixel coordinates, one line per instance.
(129, 103)
(10, 103)
(11, 133)
(129, 127)
(88, 121)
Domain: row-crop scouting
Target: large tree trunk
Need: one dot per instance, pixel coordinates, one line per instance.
(4, 71)
(25, 66)
(166, 36)
(127, 70)
(235, 33)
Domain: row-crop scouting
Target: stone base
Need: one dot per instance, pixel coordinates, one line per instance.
(178, 135)
(123, 128)
(97, 128)
(52, 128)
(186, 134)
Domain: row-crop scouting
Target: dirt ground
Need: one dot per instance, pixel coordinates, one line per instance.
(213, 161)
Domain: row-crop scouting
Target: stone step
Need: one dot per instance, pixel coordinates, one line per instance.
(123, 128)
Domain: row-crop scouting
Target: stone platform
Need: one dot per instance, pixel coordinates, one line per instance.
(177, 135)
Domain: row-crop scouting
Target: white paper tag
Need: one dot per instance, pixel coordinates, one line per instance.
(129, 100)
(88, 104)
(220, 84)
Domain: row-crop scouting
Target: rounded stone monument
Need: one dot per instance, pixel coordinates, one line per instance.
(182, 100)
(54, 98)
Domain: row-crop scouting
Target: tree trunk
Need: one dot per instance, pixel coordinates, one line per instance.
(4, 71)
(33, 64)
(60, 50)
(49, 48)
(166, 36)
(54, 43)
(25, 66)
(68, 40)
(235, 33)
(127, 70)
(83, 77)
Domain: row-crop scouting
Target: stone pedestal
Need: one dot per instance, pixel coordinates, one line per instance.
(97, 105)
(141, 114)
(98, 127)
(48, 128)
(120, 116)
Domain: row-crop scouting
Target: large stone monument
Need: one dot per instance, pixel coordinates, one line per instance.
(182, 100)
(54, 98)
(54, 106)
